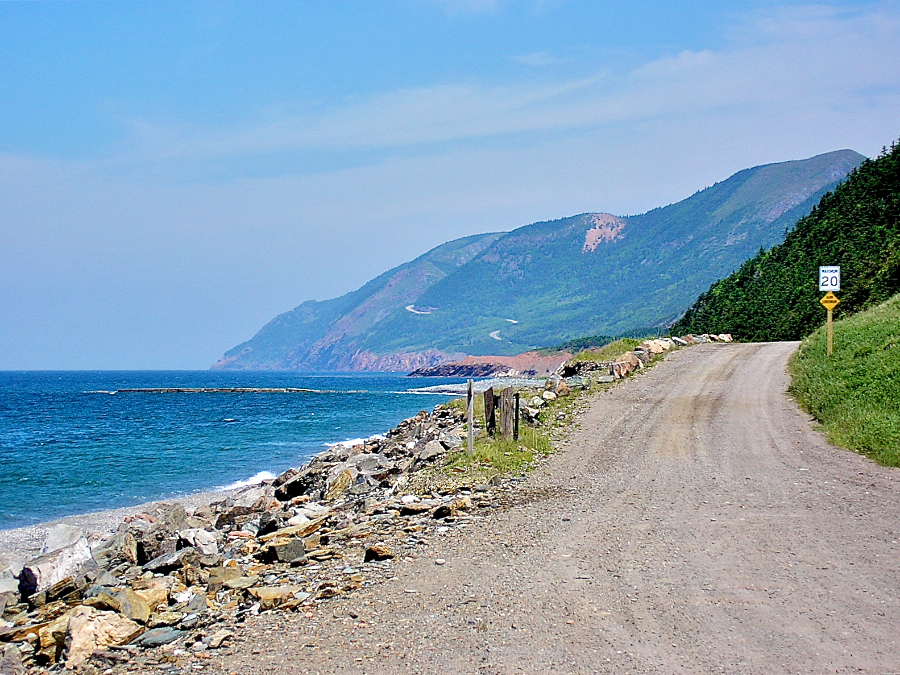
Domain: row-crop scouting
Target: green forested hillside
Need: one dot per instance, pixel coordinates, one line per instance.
(774, 296)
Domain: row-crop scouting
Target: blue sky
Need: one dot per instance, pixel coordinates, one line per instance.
(175, 174)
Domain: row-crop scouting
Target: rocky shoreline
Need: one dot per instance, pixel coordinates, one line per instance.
(172, 584)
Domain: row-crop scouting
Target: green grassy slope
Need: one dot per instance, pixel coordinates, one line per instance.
(774, 296)
(855, 393)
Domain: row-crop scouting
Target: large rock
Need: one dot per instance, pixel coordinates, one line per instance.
(52, 637)
(631, 361)
(241, 583)
(203, 540)
(53, 567)
(154, 591)
(305, 482)
(121, 547)
(578, 382)
(271, 596)
(158, 637)
(160, 537)
(169, 517)
(653, 346)
(283, 550)
(451, 440)
(11, 661)
(169, 562)
(302, 530)
(125, 601)
(254, 496)
(432, 450)
(370, 463)
(61, 536)
(339, 483)
(91, 629)
(643, 355)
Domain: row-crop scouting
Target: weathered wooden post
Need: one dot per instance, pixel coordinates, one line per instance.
(507, 413)
(471, 419)
(490, 412)
(516, 422)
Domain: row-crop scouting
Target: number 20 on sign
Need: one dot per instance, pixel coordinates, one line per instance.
(830, 280)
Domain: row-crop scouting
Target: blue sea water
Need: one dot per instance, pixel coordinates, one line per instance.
(68, 445)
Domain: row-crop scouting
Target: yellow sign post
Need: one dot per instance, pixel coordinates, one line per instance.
(830, 301)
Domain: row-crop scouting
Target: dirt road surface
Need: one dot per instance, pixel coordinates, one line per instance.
(696, 523)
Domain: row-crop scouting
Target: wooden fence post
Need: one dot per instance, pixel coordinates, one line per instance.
(471, 419)
(507, 413)
(490, 413)
(516, 420)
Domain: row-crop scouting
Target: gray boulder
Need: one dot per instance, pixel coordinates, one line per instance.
(169, 562)
(52, 567)
(157, 637)
(451, 441)
(254, 497)
(307, 481)
(60, 536)
(432, 450)
(11, 661)
(205, 541)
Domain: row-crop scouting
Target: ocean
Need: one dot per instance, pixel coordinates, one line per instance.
(76, 442)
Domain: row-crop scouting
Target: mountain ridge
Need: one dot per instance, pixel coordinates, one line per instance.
(507, 292)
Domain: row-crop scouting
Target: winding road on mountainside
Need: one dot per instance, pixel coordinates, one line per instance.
(696, 523)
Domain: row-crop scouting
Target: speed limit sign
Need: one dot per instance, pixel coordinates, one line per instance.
(830, 278)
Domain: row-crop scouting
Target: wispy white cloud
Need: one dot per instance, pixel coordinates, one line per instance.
(797, 57)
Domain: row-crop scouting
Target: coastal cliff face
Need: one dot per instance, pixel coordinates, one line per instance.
(330, 335)
(529, 364)
(546, 283)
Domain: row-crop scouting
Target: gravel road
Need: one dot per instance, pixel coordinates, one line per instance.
(695, 523)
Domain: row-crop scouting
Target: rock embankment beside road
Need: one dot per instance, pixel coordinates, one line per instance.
(184, 580)
(171, 584)
(633, 360)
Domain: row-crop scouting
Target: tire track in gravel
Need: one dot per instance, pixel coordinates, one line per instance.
(695, 523)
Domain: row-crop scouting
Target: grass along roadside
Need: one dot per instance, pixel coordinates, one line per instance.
(855, 394)
(607, 352)
(495, 457)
